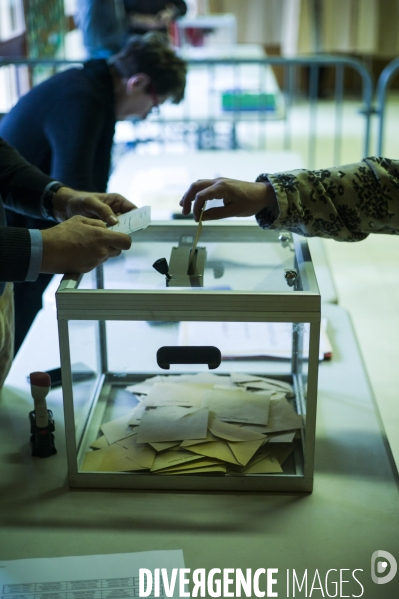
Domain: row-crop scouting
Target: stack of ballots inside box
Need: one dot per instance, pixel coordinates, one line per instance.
(202, 423)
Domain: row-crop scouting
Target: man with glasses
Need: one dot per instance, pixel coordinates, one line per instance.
(65, 126)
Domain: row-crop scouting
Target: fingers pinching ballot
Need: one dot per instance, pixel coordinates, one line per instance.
(196, 194)
(197, 236)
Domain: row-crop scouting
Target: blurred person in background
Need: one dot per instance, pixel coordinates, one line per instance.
(65, 126)
(150, 15)
(106, 24)
(103, 24)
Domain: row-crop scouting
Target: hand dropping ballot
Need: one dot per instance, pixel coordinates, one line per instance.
(197, 235)
(133, 221)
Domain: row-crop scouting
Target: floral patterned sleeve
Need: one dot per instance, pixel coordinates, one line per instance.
(344, 203)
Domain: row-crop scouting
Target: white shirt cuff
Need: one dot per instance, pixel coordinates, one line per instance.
(36, 254)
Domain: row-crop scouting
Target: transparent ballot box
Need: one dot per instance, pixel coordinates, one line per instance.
(193, 370)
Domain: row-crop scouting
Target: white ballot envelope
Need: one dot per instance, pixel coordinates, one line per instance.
(133, 221)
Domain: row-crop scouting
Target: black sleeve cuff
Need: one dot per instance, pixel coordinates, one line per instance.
(47, 208)
(15, 249)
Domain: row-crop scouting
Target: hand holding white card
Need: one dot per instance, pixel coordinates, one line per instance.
(133, 221)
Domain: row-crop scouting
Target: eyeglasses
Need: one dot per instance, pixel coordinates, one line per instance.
(155, 99)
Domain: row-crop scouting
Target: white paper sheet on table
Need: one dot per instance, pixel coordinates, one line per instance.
(250, 339)
(102, 574)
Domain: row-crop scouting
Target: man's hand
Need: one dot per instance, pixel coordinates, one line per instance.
(79, 245)
(239, 197)
(105, 206)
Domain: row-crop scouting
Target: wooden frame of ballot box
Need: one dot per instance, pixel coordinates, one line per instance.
(95, 310)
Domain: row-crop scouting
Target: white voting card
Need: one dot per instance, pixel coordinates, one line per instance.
(100, 576)
(133, 221)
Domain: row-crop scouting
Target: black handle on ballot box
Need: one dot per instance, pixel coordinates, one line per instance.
(188, 354)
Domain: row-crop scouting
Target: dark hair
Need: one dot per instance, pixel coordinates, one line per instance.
(152, 54)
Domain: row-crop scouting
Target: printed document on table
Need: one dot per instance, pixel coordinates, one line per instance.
(101, 575)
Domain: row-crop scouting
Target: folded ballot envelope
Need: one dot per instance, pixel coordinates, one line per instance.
(198, 424)
(238, 406)
(173, 423)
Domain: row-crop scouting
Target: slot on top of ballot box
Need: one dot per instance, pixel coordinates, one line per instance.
(186, 273)
(186, 267)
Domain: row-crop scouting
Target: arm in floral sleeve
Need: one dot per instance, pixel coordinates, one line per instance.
(344, 203)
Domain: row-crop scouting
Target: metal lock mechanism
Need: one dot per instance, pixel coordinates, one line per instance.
(291, 277)
(286, 241)
(180, 272)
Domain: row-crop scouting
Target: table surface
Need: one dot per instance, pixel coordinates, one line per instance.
(161, 180)
(352, 512)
